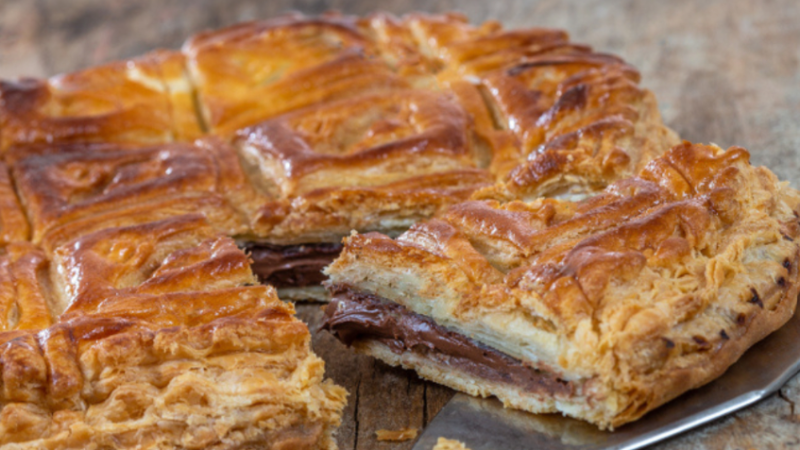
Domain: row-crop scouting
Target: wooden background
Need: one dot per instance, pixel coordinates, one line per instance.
(726, 72)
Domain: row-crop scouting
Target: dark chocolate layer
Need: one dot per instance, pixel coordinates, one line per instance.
(353, 316)
(291, 265)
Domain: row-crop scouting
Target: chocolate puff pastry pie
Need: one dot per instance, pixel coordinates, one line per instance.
(141, 202)
(601, 309)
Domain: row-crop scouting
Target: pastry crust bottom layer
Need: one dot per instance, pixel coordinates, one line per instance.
(457, 379)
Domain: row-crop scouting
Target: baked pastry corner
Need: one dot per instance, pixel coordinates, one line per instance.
(138, 347)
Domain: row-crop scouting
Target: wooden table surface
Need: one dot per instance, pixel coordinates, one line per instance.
(726, 72)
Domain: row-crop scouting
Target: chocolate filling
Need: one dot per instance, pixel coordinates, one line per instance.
(353, 316)
(291, 265)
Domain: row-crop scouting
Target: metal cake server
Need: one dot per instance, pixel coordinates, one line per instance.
(483, 424)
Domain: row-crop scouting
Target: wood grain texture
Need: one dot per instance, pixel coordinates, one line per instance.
(724, 71)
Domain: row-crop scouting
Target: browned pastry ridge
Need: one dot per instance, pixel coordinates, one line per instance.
(601, 309)
(71, 189)
(130, 316)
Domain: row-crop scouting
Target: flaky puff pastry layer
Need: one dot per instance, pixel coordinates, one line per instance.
(245, 379)
(651, 288)
(157, 337)
(148, 99)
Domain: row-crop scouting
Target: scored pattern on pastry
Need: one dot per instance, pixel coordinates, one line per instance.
(371, 123)
(59, 184)
(601, 309)
(13, 224)
(147, 99)
(256, 70)
(376, 123)
(24, 294)
(373, 162)
(102, 268)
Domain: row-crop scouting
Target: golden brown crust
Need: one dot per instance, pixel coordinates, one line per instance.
(236, 68)
(170, 255)
(24, 293)
(373, 162)
(418, 95)
(651, 288)
(148, 99)
(121, 383)
(370, 140)
(216, 210)
(60, 184)
(578, 119)
(326, 215)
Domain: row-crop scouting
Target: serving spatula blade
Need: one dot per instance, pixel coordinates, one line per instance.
(483, 424)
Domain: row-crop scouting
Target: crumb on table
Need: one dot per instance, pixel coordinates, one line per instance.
(449, 444)
(403, 434)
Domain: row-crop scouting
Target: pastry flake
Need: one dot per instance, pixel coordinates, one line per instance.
(449, 444)
(401, 435)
